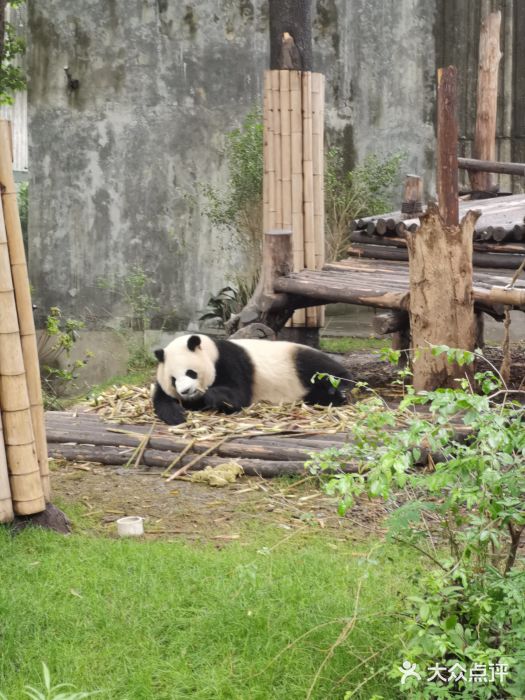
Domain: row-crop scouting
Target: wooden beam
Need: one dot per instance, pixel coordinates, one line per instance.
(492, 166)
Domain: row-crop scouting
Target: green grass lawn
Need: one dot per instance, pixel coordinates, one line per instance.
(159, 620)
(350, 344)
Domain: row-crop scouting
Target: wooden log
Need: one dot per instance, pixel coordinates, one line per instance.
(484, 147)
(385, 252)
(492, 166)
(447, 145)
(277, 260)
(441, 297)
(398, 242)
(24, 309)
(328, 293)
(115, 456)
(279, 450)
(412, 204)
(6, 505)
(290, 18)
(18, 436)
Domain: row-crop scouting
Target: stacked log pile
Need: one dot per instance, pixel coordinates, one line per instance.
(24, 472)
(87, 437)
(502, 221)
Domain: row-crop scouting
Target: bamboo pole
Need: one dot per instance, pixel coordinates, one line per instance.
(276, 128)
(308, 189)
(26, 486)
(268, 184)
(6, 504)
(318, 179)
(25, 311)
(286, 147)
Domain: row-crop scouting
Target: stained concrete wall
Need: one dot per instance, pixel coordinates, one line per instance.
(115, 165)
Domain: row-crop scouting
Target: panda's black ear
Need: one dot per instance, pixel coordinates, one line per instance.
(193, 342)
(159, 354)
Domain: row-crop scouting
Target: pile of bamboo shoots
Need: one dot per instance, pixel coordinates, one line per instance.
(24, 471)
(293, 185)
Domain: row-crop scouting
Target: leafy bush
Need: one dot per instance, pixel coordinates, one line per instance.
(228, 301)
(55, 343)
(12, 78)
(134, 289)
(239, 206)
(350, 194)
(465, 512)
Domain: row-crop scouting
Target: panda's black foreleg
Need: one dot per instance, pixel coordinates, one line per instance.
(224, 399)
(167, 408)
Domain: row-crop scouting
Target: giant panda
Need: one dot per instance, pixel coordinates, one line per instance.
(199, 373)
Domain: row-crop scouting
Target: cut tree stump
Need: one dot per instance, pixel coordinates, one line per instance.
(441, 297)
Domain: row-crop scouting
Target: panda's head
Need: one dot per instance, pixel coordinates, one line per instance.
(187, 366)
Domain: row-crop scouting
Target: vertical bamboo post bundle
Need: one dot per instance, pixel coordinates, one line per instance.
(6, 504)
(293, 187)
(24, 306)
(26, 485)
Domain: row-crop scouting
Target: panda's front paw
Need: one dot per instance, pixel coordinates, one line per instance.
(221, 400)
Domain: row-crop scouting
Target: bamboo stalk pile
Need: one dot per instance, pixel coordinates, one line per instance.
(24, 471)
(502, 221)
(293, 189)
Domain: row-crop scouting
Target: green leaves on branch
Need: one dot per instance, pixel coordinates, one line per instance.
(464, 512)
(12, 77)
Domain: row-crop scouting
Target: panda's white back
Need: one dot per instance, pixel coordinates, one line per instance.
(276, 379)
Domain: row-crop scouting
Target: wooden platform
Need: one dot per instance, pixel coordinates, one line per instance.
(381, 284)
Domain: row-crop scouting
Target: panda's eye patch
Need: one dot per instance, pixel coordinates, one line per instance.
(191, 373)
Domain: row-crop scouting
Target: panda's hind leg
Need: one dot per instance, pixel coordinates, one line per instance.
(321, 390)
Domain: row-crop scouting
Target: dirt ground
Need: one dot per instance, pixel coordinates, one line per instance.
(193, 511)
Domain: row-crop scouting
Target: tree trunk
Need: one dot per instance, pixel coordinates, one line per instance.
(441, 297)
(487, 100)
(447, 145)
(290, 35)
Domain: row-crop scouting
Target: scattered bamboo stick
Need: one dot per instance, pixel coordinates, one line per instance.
(24, 308)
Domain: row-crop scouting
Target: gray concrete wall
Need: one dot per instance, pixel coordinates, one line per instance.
(115, 165)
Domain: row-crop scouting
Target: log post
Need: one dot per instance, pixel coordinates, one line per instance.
(487, 101)
(412, 204)
(6, 505)
(447, 145)
(277, 261)
(290, 35)
(441, 297)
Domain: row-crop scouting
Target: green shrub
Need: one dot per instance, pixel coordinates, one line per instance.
(350, 194)
(465, 512)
